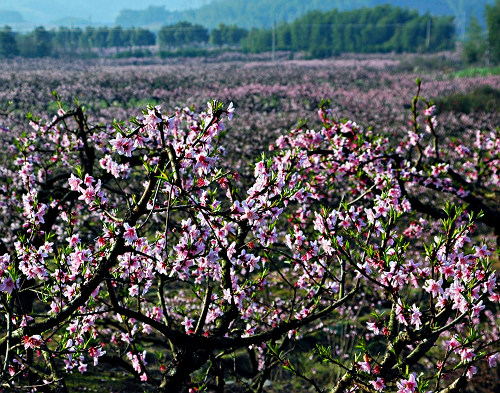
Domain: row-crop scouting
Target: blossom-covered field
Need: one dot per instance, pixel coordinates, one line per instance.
(269, 97)
(343, 262)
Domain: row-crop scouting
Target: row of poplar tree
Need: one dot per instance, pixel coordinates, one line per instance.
(42, 42)
(378, 29)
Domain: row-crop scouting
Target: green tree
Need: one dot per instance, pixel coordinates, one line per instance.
(85, 40)
(143, 37)
(199, 35)
(128, 37)
(442, 33)
(115, 37)
(216, 35)
(75, 35)
(234, 34)
(37, 43)
(284, 37)
(227, 35)
(42, 42)
(493, 23)
(100, 37)
(166, 37)
(8, 44)
(258, 40)
(62, 39)
(182, 34)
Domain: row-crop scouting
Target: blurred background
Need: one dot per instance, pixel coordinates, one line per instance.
(320, 28)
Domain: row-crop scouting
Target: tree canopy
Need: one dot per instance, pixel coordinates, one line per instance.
(379, 29)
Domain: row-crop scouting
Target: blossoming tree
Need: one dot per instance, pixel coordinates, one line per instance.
(133, 244)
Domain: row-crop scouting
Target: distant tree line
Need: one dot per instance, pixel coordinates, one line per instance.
(380, 29)
(8, 44)
(182, 34)
(493, 23)
(262, 13)
(227, 35)
(474, 47)
(41, 42)
(186, 34)
(482, 47)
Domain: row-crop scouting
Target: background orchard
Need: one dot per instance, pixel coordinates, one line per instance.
(369, 125)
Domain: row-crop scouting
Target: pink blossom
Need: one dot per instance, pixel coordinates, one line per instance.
(7, 285)
(415, 316)
(471, 371)
(373, 327)
(400, 316)
(188, 324)
(230, 111)
(82, 367)
(482, 252)
(74, 183)
(452, 343)
(129, 233)
(466, 354)
(477, 308)
(434, 287)
(378, 385)
(408, 385)
(430, 110)
(73, 240)
(151, 120)
(492, 360)
(365, 366)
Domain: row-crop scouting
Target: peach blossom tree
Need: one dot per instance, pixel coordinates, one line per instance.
(134, 244)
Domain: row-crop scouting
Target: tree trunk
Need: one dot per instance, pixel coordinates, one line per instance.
(177, 376)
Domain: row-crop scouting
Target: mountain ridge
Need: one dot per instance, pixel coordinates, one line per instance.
(209, 13)
(263, 13)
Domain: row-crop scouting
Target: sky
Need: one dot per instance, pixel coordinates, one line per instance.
(46, 12)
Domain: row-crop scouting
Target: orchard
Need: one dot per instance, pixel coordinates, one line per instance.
(135, 244)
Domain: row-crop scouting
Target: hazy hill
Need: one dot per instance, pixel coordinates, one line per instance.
(25, 14)
(75, 12)
(7, 17)
(262, 13)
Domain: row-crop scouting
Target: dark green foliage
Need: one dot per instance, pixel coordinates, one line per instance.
(182, 34)
(189, 52)
(227, 35)
(481, 99)
(38, 43)
(8, 44)
(379, 29)
(133, 53)
(99, 37)
(258, 40)
(475, 46)
(66, 40)
(116, 37)
(493, 23)
(41, 42)
(143, 37)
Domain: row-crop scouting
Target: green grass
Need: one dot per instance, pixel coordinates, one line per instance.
(474, 72)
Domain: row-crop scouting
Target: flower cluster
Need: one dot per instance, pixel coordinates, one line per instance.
(141, 233)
